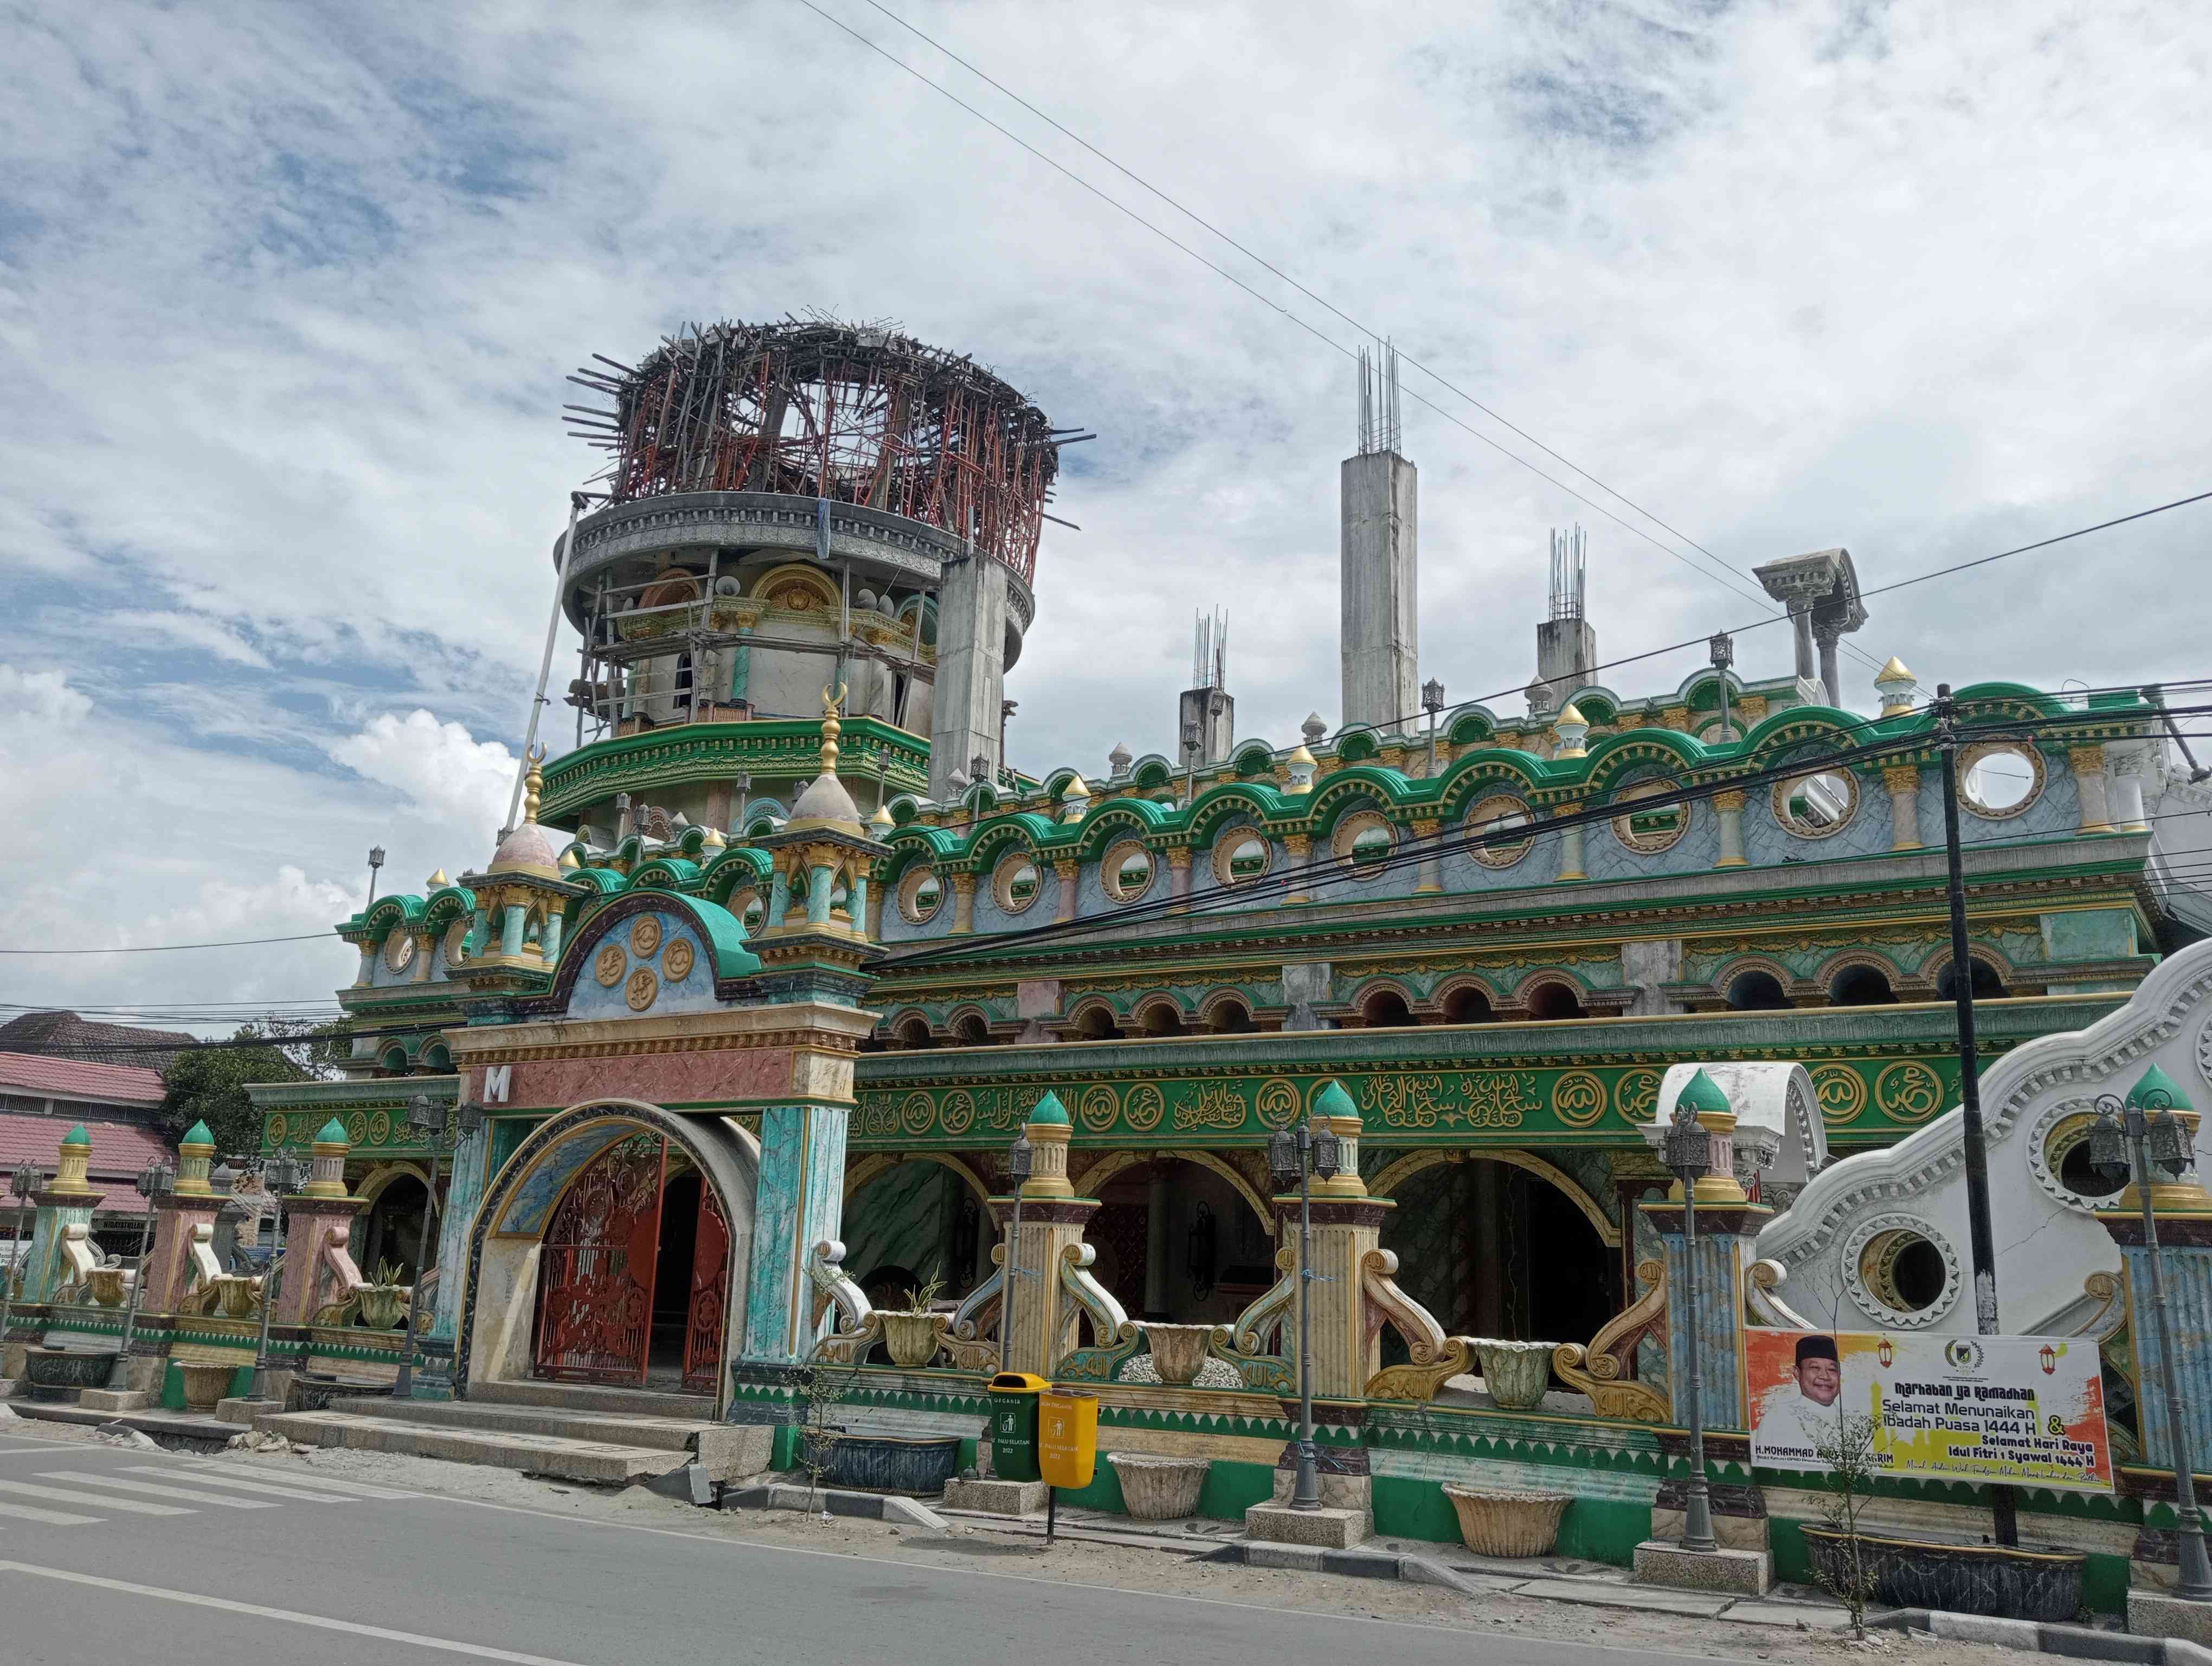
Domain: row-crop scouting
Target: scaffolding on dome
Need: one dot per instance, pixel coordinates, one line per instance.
(814, 408)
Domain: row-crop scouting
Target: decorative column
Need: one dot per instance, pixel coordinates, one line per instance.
(1903, 781)
(964, 902)
(1065, 873)
(425, 945)
(468, 1173)
(319, 1268)
(2088, 766)
(184, 1229)
(1053, 1218)
(1179, 878)
(61, 1232)
(1826, 634)
(2128, 762)
(1570, 842)
(1429, 870)
(1728, 806)
(1299, 847)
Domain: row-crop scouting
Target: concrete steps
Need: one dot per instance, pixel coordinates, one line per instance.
(664, 1434)
(585, 1397)
(603, 1463)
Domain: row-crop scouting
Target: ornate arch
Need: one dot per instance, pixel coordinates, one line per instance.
(873, 1168)
(1412, 1162)
(1113, 1162)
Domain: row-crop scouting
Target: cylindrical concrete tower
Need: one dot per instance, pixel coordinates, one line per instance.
(789, 508)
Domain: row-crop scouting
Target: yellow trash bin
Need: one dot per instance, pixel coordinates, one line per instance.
(1067, 1437)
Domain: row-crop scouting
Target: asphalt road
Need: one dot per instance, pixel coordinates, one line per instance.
(108, 1554)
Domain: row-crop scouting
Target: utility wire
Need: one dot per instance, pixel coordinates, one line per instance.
(173, 948)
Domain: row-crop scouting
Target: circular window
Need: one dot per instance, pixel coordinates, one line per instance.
(1364, 839)
(1499, 813)
(1015, 882)
(921, 894)
(399, 951)
(1127, 873)
(456, 941)
(1240, 856)
(1900, 1271)
(1998, 779)
(1815, 805)
(1658, 827)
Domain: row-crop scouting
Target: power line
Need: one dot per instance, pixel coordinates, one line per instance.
(173, 948)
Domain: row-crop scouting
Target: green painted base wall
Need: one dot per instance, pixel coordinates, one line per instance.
(1595, 1530)
(2103, 1581)
(173, 1385)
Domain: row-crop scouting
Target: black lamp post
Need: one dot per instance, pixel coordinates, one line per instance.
(2127, 1140)
(154, 1182)
(280, 1174)
(26, 1179)
(375, 861)
(1021, 1163)
(427, 1120)
(1722, 646)
(1688, 1155)
(1296, 1155)
(1432, 702)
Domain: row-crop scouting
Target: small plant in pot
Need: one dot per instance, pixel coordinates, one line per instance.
(384, 1301)
(913, 1334)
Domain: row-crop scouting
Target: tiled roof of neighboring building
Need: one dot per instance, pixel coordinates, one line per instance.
(119, 1151)
(64, 1035)
(75, 1079)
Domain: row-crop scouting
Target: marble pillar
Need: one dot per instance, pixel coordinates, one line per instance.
(1903, 781)
(799, 1202)
(61, 1227)
(1728, 807)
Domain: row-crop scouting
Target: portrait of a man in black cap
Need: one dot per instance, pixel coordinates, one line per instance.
(1819, 1372)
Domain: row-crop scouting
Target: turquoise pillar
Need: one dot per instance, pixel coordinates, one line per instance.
(464, 1189)
(821, 881)
(779, 899)
(741, 668)
(549, 945)
(510, 931)
(66, 1200)
(799, 1201)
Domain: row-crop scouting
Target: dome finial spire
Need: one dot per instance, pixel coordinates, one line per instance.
(533, 784)
(831, 728)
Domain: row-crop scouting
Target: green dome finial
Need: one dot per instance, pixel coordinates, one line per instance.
(77, 1136)
(332, 1133)
(1049, 1109)
(1334, 1101)
(1703, 1095)
(2156, 1091)
(197, 1134)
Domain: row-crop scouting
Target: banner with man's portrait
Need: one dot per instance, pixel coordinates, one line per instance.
(2025, 1409)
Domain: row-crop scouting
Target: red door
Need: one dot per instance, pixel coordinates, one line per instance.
(595, 1312)
(710, 1274)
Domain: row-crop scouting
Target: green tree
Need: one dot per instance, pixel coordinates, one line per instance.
(207, 1084)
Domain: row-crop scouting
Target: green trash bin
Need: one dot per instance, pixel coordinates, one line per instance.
(1014, 1425)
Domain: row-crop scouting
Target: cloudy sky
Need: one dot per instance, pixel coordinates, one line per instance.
(287, 293)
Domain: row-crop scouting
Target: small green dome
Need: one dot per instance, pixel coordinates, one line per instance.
(197, 1134)
(1049, 1109)
(1334, 1101)
(1703, 1095)
(332, 1133)
(2156, 1091)
(77, 1136)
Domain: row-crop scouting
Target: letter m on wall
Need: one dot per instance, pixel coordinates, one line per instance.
(498, 1082)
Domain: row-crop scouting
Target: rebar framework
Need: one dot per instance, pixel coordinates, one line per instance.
(858, 413)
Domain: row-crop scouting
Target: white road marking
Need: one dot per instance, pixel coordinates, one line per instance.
(131, 1505)
(31, 1512)
(20, 1451)
(86, 1478)
(327, 1483)
(320, 1623)
(198, 1476)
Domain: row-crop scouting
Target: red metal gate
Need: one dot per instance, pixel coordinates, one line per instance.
(710, 1276)
(595, 1313)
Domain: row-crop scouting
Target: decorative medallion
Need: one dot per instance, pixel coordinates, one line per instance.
(1145, 1107)
(1497, 814)
(1098, 1107)
(1578, 1098)
(379, 1128)
(645, 937)
(643, 989)
(957, 1112)
(878, 1118)
(399, 951)
(456, 941)
(357, 1128)
(916, 1112)
(1636, 1096)
(272, 1133)
(1278, 1103)
(1908, 1092)
(677, 963)
(1842, 1092)
(611, 966)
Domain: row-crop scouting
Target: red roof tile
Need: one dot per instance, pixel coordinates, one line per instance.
(78, 1079)
(119, 1151)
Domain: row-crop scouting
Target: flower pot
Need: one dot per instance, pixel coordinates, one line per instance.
(911, 1339)
(235, 1295)
(1515, 1373)
(1179, 1351)
(382, 1305)
(1991, 1579)
(1160, 1489)
(205, 1382)
(1495, 1523)
(56, 1374)
(108, 1285)
(895, 1464)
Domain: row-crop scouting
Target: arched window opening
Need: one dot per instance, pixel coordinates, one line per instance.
(973, 1031)
(1098, 1024)
(1862, 985)
(1162, 1019)
(1232, 1018)
(913, 1035)
(1757, 992)
(1987, 985)
(1386, 1009)
(1468, 1005)
(1555, 1000)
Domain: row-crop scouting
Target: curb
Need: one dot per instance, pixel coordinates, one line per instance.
(1355, 1564)
(873, 1506)
(176, 1424)
(2037, 1636)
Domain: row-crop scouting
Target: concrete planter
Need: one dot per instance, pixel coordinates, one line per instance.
(1993, 1580)
(1495, 1523)
(382, 1305)
(235, 1297)
(56, 1374)
(911, 1339)
(1179, 1351)
(205, 1382)
(108, 1285)
(1516, 1373)
(1160, 1489)
(895, 1464)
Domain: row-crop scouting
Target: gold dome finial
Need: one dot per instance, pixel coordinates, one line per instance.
(1895, 684)
(831, 728)
(533, 784)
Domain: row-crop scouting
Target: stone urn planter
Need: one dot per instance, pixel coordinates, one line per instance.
(56, 1374)
(1991, 1579)
(235, 1297)
(1496, 1524)
(383, 1305)
(910, 1338)
(206, 1382)
(1159, 1489)
(1515, 1373)
(895, 1464)
(107, 1285)
(1179, 1351)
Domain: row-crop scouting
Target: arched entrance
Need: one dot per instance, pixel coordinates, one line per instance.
(613, 1247)
(1177, 1238)
(393, 1233)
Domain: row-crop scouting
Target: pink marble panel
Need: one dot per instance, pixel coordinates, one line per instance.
(659, 1079)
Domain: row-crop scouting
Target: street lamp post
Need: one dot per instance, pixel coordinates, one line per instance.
(279, 1175)
(26, 1179)
(1298, 1155)
(2128, 1139)
(1190, 743)
(1722, 648)
(375, 861)
(429, 1121)
(1432, 702)
(1688, 1155)
(1021, 1163)
(154, 1182)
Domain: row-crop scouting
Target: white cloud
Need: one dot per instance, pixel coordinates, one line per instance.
(193, 630)
(448, 776)
(42, 695)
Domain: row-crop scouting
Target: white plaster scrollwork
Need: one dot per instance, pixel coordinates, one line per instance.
(1086, 1295)
(1866, 1236)
(2204, 1053)
(849, 1326)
